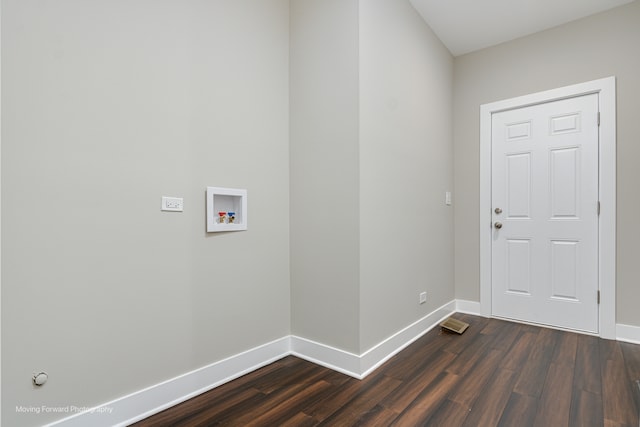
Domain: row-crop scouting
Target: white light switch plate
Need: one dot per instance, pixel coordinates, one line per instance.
(172, 204)
(447, 198)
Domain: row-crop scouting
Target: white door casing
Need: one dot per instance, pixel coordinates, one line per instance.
(604, 89)
(545, 198)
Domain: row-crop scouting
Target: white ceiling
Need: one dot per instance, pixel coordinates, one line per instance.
(468, 25)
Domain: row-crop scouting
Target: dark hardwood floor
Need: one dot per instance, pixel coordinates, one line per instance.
(496, 374)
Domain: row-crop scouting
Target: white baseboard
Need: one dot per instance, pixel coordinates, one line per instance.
(371, 359)
(361, 366)
(628, 333)
(144, 403)
(468, 307)
(327, 356)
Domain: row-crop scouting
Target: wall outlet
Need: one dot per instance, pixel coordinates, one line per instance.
(172, 204)
(423, 297)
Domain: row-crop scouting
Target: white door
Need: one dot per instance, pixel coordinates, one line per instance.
(545, 213)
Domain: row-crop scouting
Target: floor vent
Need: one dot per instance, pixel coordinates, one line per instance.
(454, 325)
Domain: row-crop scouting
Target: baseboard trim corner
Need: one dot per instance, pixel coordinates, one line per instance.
(628, 333)
(468, 307)
(151, 400)
(359, 366)
(371, 359)
(327, 356)
(141, 404)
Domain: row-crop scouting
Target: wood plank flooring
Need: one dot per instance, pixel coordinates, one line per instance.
(496, 374)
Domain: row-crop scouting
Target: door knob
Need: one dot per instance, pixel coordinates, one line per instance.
(498, 211)
(498, 225)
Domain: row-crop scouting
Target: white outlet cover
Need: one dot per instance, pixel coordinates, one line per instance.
(423, 297)
(172, 204)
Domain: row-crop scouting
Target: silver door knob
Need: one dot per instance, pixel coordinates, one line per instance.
(498, 225)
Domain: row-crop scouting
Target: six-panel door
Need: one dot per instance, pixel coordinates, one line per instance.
(545, 201)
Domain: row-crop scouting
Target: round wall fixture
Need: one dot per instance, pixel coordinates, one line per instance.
(40, 378)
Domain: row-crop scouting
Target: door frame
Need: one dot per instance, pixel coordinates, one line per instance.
(606, 88)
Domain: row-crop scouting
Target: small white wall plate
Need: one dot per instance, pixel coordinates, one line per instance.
(172, 204)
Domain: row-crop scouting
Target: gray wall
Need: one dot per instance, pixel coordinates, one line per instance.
(106, 107)
(599, 46)
(406, 166)
(324, 172)
(371, 159)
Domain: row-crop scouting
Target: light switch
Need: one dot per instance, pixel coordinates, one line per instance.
(172, 204)
(447, 198)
